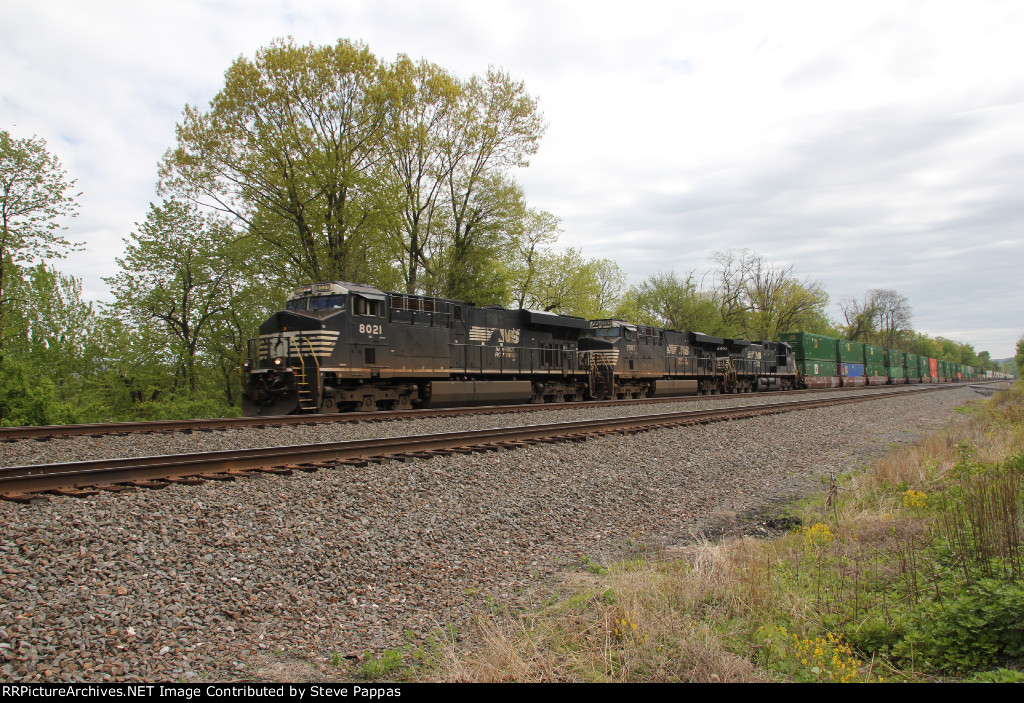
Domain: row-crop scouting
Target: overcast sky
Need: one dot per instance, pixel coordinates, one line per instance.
(871, 144)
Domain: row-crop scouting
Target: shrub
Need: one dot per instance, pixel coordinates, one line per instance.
(981, 628)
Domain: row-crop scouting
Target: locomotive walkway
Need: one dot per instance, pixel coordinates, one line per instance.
(85, 478)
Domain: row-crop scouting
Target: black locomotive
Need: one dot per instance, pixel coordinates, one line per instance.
(343, 346)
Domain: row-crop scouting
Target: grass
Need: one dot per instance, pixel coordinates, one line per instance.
(911, 570)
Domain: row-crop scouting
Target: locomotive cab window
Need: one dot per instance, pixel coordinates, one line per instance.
(364, 306)
(328, 302)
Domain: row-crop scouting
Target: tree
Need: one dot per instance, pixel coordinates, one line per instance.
(466, 263)
(674, 302)
(423, 115)
(48, 352)
(290, 149)
(35, 195)
(860, 317)
(351, 168)
(567, 284)
(761, 299)
(538, 230)
(893, 314)
(176, 278)
(499, 128)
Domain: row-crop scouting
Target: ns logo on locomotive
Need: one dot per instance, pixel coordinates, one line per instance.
(343, 346)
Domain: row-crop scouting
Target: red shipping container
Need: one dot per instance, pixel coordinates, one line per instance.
(933, 368)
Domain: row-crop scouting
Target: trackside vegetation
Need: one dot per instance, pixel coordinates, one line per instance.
(909, 571)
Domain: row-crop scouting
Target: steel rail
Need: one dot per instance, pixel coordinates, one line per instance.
(45, 432)
(18, 481)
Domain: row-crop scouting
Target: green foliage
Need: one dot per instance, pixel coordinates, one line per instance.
(389, 664)
(568, 284)
(762, 299)
(177, 277)
(350, 168)
(981, 627)
(48, 349)
(35, 196)
(26, 398)
(751, 298)
(998, 676)
(666, 300)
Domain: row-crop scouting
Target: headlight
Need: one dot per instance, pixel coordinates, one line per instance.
(247, 364)
(278, 361)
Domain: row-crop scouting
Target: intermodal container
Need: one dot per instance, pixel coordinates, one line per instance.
(875, 375)
(933, 369)
(851, 352)
(913, 370)
(852, 374)
(922, 369)
(811, 346)
(895, 358)
(873, 354)
(819, 374)
(812, 367)
(896, 373)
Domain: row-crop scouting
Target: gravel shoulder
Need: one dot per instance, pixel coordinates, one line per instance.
(227, 581)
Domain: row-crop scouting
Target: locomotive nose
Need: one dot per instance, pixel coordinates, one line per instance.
(289, 320)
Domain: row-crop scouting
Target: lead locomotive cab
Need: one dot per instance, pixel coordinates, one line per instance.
(331, 349)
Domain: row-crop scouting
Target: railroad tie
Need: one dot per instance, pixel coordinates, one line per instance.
(29, 498)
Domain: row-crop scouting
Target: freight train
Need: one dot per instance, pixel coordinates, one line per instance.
(342, 346)
(824, 362)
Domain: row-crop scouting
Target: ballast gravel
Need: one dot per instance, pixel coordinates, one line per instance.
(208, 582)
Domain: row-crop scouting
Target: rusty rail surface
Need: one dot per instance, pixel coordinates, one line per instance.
(88, 477)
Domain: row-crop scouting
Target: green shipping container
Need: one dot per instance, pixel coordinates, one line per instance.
(913, 366)
(895, 358)
(811, 346)
(895, 372)
(873, 354)
(810, 367)
(851, 352)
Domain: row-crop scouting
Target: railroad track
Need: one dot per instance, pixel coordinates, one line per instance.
(47, 432)
(87, 478)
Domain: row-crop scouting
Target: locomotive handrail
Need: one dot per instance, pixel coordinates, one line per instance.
(316, 361)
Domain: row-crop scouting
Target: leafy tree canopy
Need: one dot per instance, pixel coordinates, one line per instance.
(35, 196)
(352, 168)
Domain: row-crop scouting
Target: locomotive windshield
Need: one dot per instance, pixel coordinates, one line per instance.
(325, 302)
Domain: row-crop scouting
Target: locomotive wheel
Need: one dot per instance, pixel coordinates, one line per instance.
(559, 397)
(369, 404)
